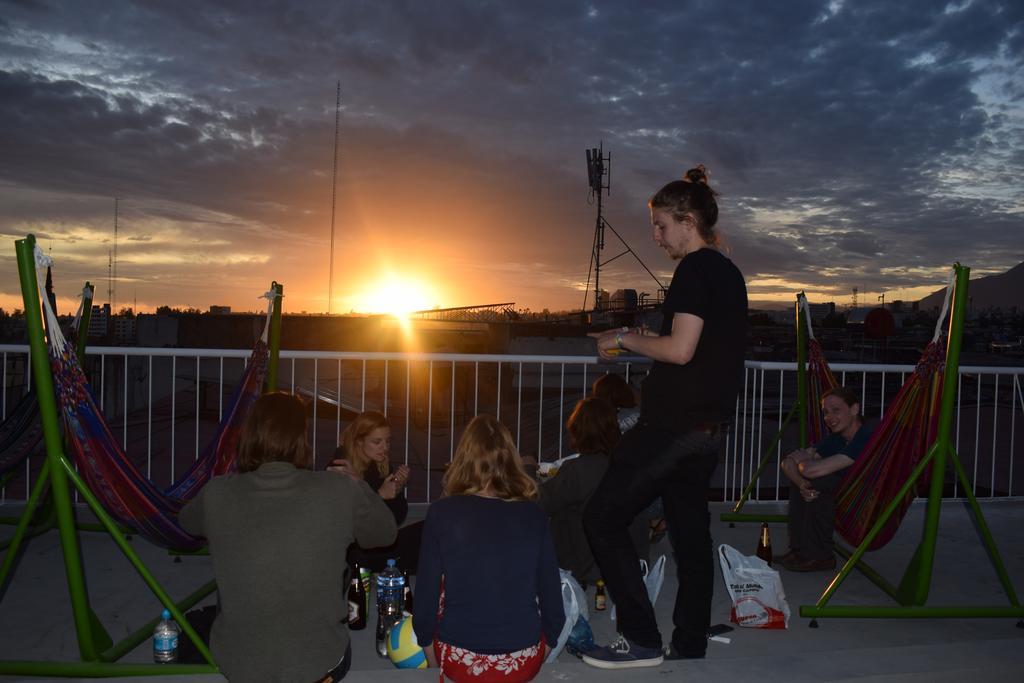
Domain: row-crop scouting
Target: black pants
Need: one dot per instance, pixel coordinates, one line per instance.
(405, 550)
(811, 523)
(201, 621)
(649, 463)
(339, 671)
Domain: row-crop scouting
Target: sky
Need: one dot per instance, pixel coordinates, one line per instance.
(854, 144)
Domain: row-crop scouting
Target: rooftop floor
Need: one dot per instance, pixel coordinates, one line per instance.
(35, 617)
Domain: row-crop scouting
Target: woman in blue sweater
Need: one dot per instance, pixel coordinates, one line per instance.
(488, 591)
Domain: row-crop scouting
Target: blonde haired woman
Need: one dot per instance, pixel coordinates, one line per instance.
(363, 454)
(488, 591)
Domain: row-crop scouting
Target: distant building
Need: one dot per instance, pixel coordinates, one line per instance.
(157, 330)
(821, 311)
(122, 328)
(99, 322)
(782, 316)
(623, 300)
(220, 310)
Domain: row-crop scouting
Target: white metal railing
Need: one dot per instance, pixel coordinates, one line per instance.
(988, 414)
(164, 404)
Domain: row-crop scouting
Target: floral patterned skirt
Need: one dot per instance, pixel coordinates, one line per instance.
(465, 666)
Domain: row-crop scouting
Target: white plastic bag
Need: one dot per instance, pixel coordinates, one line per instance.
(654, 576)
(758, 600)
(574, 602)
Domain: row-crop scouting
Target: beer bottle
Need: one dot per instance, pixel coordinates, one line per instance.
(356, 604)
(764, 545)
(600, 598)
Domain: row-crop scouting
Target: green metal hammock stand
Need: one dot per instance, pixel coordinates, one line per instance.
(801, 408)
(912, 592)
(905, 433)
(98, 653)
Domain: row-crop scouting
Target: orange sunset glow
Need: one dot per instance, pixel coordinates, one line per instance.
(452, 171)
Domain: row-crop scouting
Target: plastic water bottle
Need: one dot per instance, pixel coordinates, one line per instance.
(165, 639)
(390, 600)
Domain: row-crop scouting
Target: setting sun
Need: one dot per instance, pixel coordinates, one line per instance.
(396, 296)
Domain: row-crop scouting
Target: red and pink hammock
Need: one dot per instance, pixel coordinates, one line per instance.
(127, 494)
(898, 443)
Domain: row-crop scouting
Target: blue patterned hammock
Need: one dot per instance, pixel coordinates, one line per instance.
(20, 434)
(127, 494)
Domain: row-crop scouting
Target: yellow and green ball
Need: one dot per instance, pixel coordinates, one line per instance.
(403, 650)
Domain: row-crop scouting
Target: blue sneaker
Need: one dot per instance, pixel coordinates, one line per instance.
(624, 654)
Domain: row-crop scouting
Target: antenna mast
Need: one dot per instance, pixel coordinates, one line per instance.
(113, 289)
(599, 167)
(334, 197)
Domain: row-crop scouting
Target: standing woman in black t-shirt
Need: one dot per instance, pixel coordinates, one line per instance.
(686, 403)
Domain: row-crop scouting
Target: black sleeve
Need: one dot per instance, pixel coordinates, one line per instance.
(560, 491)
(549, 589)
(428, 582)
(398, 505)
(691, 289)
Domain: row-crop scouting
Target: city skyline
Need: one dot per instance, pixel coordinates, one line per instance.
(855, 145)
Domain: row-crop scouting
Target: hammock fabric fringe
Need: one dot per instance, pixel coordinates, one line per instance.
(819, 380)
(128, 495)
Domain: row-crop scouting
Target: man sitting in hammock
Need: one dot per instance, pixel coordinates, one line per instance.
(815, 474)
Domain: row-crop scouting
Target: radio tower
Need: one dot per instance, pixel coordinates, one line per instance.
(598, 166)
(110, 278)
(112, 294)
(853, 307)
(334, 196)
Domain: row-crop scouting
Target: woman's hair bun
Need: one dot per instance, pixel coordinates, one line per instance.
(697, 175)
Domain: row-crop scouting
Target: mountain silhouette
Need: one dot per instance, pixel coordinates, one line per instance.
(1004, 290)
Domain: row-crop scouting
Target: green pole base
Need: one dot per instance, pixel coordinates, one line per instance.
(911, 612)
(145, 632)
(869, 573)
(100, 669)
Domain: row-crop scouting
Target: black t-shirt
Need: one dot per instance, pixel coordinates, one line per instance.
(678, 397)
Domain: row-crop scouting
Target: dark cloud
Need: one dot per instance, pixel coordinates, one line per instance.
(855, 144)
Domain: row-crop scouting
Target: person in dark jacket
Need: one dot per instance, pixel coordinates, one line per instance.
(593, 431)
